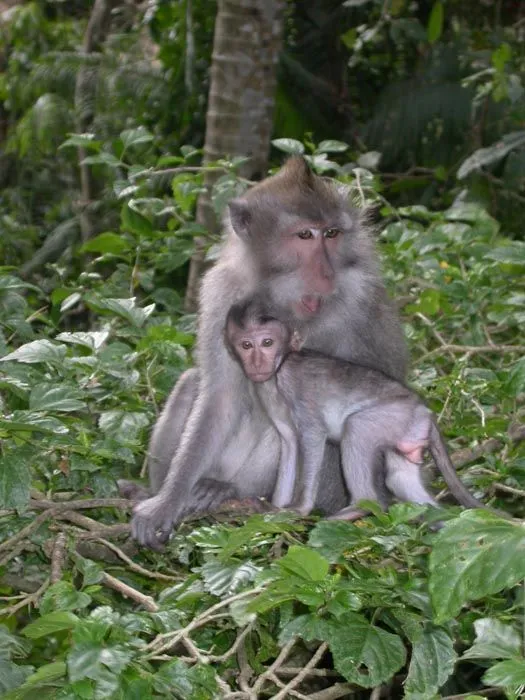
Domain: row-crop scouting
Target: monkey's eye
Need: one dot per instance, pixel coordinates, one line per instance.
(246, 345)
(332, 233)
(267, 342)
(306, 234)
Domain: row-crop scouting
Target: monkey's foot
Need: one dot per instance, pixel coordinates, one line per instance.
(350, 513)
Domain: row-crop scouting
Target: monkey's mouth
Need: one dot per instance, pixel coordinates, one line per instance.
(309, 304)
(262, 377)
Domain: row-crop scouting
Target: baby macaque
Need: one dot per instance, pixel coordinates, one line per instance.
(312, 398)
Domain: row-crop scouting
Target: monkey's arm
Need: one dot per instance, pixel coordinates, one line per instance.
(287, 473)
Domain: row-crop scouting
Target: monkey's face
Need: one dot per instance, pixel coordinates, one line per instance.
(300, 232)
(259, 348)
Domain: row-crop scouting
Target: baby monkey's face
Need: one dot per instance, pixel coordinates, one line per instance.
(260, 348)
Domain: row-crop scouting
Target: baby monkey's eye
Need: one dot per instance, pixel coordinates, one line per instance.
(305, 234)
(267, 342)
(332, 233)
(246, 345)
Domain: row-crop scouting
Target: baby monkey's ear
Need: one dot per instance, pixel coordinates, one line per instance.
(296, 341)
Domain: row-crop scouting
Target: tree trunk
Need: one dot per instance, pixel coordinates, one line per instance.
(97, 30)
(246, 46)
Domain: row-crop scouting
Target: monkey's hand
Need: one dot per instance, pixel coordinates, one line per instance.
(152, 522)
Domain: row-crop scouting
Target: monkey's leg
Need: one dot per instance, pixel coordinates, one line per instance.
(360, 449)
(313, 441)
(287, 474)
(403, 478)
(169, 427)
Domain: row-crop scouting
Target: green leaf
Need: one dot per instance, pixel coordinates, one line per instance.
(37, 351)
(494, 640)
(435, 22)
(124, 426)
(135, 222)
(87, 141)
(63, 596)
(474, 555)
(501, 56)
(304, 563)
(92, 660)
(103, 158)
(491, 154)
(362, 653)
(125, 308)
(53, 397)
(175, 679)
(106, 243)
(429, 302)
(511, 254)
(224, 578)
(12, 676)
(507, 674)
(334, 537)
(50, 624)
(25, 421)
(15, 478)
(331, 146)
(93, 340)
(131, 137)
(432, 663)
(289, 146)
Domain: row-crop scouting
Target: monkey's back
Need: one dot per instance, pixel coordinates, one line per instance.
(330, 390)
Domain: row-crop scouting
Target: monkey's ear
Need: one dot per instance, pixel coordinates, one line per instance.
(240, 217)
(296, 341)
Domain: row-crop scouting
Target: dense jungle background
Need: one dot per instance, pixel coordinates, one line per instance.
(125, 127)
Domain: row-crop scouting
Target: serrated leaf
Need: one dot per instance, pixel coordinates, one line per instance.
(92, 661)
(334, 537)
(332, 146)
(12, 676)
(432, 663)
(131, 137)
(304, 563)
(125, 308)
(135, 222)
(25, 421)
(37, 351)
(82, 140)
(494, 640)
(435, 22)
(50, 624)
(64, 596)
(103, 158)
(92, 340)
(491, 154)
(289, 146)
(15, 479)
(474, 555)
(362, 653)
(106, 243)
(53, 397)
(221, 578)
(511, 254)
(124, 426)
(507, 674)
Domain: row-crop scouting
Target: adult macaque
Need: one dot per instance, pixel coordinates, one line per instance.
(297, 234)
(312, 398)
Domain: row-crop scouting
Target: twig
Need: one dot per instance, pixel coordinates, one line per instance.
(472, 350)
(428, 323)
(376, 693)
(485, 692)
(128, 592)
(166, 640)
(469, 454)
(313, 672)
(304, 672)
(137, 568)
(58, 556)
(234, 647)
(80, 504)
(338, 690)
(271, 669)
(25, 531)
(508, 489)
(27, 600)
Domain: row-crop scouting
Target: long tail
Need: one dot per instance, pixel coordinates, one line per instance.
(439, 453)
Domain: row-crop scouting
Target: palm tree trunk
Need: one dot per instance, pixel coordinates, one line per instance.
(246, 46)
